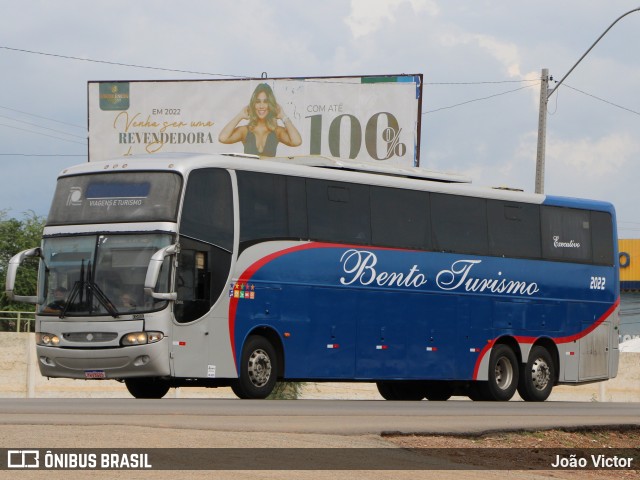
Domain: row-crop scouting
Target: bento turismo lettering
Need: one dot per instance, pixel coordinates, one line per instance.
(359, 267)
(458, 277)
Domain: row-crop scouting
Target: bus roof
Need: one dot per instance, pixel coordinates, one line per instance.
(159, 161)
(328, 168)
(383, 169)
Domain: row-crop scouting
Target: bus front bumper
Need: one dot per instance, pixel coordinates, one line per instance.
(151, 360)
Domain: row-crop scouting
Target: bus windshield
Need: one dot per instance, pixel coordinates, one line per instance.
(98, 275)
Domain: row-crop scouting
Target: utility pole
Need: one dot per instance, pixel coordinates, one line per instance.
(545, 94)
(542, 130)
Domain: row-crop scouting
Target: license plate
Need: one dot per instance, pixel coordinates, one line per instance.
(94, 374)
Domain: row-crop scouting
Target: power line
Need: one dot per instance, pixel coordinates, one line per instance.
(69, 57)
(41, 155)
(40, 126)
(43, 134)
(478, 99)
(40, 116)
(602, 99)
(533, 81)
(536, 80)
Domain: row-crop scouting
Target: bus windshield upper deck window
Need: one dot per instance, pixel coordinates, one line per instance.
(116, 197)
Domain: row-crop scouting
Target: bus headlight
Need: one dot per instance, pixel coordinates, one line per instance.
(47, 339)
(141, 338)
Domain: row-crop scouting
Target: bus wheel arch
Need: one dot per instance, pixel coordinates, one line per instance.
(503, 370)
(539, 373)
(260, 365)
(275, 340)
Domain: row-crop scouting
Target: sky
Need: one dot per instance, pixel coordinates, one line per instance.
(481, 62)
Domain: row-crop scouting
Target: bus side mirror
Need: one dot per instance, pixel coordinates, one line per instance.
(12, 270)
(153, 272)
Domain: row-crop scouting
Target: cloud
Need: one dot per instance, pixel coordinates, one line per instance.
(506, 53)
(594, 157)
(603, 168)
(367, 16)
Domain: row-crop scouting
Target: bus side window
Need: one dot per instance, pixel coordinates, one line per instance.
(193, 285)
(602, 238)
(514, 229)
(566, 234)
(400, 218)
(206, 240)
(272, 207)
(339, 212)
(459, 224)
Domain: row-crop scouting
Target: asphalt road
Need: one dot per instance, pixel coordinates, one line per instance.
(347, 427)
(344, 417)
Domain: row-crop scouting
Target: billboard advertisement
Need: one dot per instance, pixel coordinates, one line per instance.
(366, 119)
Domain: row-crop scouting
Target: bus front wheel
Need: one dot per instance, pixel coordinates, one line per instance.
(537, 376)
(146, 387)
(258, 369)
(503, 376)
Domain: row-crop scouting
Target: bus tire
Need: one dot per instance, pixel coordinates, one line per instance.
(146, 387)
(475, 392)
(503, 375)
(258, 369)
(537, 376)
(386, 390)
(438, 391)
(401, 390)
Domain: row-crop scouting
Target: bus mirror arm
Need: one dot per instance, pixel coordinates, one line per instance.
(12, 270)
(153, 272)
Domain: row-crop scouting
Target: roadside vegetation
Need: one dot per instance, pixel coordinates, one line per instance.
(15, 236)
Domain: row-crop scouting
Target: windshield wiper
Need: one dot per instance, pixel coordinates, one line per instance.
(77, 289)
(92, 289)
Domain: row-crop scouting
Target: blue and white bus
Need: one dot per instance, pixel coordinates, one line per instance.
(215, 270)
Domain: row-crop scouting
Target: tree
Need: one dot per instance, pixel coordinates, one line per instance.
(15, 236)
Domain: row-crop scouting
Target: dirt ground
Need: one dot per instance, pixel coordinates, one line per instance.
(535, 445)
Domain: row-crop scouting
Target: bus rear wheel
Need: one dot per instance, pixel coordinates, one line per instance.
(147, 387)
(401, 390)
(503, 376)
(438, 391)
(258, 369)
(537, 376)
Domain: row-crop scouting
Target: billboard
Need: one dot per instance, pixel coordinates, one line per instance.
(367, 119)
(629, 250)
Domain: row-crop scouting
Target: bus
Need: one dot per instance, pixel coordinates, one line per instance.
(168, 271)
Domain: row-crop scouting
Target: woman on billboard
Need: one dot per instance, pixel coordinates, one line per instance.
(262, 134)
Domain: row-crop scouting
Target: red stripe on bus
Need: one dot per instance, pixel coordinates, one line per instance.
(531, 340)
(249, 272)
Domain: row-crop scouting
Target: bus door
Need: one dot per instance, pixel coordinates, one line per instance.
(200, 335)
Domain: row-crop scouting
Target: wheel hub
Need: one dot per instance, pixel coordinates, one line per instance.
(504, 373)
(259, 368)
(540, 374)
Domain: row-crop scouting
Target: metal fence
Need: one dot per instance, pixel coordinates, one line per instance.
(17, 321)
